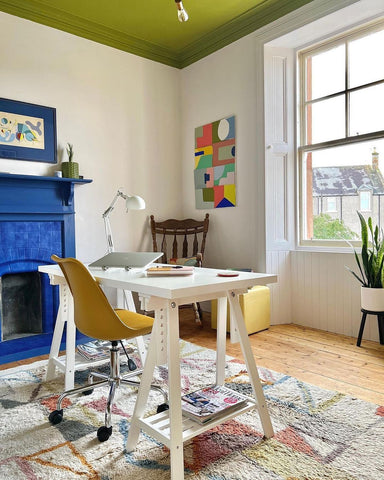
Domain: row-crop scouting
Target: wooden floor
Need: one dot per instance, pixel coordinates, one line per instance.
(324, 359)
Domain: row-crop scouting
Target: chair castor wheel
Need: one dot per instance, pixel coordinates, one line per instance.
(88, 392)
(162, 408)
(131, 365)
(103, 433)
(56, 417)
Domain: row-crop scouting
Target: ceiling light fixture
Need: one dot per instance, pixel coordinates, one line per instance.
(182, 15)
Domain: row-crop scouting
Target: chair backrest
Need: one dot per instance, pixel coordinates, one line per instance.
(93, 314)
(193, 235)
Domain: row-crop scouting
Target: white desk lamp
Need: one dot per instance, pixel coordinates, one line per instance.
(132, 202)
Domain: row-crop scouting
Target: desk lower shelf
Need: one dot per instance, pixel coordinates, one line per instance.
(159, 425)
(81, 362)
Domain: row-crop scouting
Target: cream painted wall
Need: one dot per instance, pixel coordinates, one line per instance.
(218, 86)
(120, 112)
(230, 82)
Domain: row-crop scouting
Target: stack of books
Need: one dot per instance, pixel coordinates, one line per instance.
(96, 350)
(211, 402)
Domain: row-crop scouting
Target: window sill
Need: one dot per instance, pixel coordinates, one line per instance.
(324, 249)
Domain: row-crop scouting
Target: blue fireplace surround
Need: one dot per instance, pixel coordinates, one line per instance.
(37, 219)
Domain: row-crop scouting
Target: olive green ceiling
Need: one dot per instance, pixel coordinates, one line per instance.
(150, 29)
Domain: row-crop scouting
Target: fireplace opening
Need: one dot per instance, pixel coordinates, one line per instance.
(20, 301)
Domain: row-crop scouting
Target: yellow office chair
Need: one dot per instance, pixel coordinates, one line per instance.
(95, 317)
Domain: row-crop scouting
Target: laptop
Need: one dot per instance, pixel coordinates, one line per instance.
(126, 260)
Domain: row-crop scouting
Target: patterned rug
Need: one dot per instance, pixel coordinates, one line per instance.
(319, 434)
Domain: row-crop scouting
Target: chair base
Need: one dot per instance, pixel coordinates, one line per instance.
(113, 380)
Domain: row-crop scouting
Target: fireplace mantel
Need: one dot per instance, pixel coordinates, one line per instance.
(37, 194)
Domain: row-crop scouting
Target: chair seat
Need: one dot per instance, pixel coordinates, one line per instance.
(186, 261)
(138, 322)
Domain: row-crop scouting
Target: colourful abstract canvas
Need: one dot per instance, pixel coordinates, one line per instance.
(215, 157)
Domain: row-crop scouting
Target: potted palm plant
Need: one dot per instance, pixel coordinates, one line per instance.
(370, 267)
(70, 169)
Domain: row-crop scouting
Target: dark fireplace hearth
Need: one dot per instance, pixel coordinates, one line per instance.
(20, 301)
(37, 219)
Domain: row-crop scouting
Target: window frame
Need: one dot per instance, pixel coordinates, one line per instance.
(303, 148)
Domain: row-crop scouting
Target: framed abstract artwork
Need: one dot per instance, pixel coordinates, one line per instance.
(27, 131)
(215, 155)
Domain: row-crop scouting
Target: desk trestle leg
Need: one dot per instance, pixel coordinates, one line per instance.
(175, 413)
(233, 299)
(221, 336)
(62, 318)
(145, 385)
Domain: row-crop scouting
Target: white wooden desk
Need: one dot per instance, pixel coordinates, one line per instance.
(164, 295)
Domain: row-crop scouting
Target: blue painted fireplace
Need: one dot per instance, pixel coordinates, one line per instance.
(37, 219)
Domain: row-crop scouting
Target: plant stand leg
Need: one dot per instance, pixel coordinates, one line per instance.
(380, 321)
(362, 325)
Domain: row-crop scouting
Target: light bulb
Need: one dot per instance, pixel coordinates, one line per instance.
(182, 15)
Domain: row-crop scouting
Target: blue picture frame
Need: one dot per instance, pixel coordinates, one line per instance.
(27, 131)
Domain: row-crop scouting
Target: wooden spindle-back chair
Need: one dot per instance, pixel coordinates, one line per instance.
(182, 242)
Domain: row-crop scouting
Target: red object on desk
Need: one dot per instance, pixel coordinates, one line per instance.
(227, 274)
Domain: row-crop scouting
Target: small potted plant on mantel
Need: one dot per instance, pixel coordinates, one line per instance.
(370, 273)
(70, 169)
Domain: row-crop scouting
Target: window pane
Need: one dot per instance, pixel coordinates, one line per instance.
(365, 203)
(367, 110)
(336, 177)
(365, 59)
(326, 73)
(331, 204)
(327, 120)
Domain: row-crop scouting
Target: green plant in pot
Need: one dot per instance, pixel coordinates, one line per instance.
(70, 169)
(370, 273)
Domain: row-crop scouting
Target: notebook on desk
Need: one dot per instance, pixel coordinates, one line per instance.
(126, 260)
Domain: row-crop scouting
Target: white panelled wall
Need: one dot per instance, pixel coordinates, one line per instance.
(325, 295)
(316, 290)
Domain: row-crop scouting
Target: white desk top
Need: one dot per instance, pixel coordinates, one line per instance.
(203, 282)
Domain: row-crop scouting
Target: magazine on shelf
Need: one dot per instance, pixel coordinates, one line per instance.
(211, 402)
(99, 349)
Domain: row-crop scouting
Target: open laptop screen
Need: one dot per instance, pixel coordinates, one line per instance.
(126, 260)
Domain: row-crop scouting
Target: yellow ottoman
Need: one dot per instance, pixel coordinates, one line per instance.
(256, 309)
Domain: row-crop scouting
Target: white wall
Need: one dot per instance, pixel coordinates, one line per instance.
(230, 82)
(120, 111)
(217, 86)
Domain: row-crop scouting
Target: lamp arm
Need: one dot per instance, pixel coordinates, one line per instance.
(108, 234)
(107, 223)
(135, 202)
(108, 211)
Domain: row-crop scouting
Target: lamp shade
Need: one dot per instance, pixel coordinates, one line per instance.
(134, 202)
